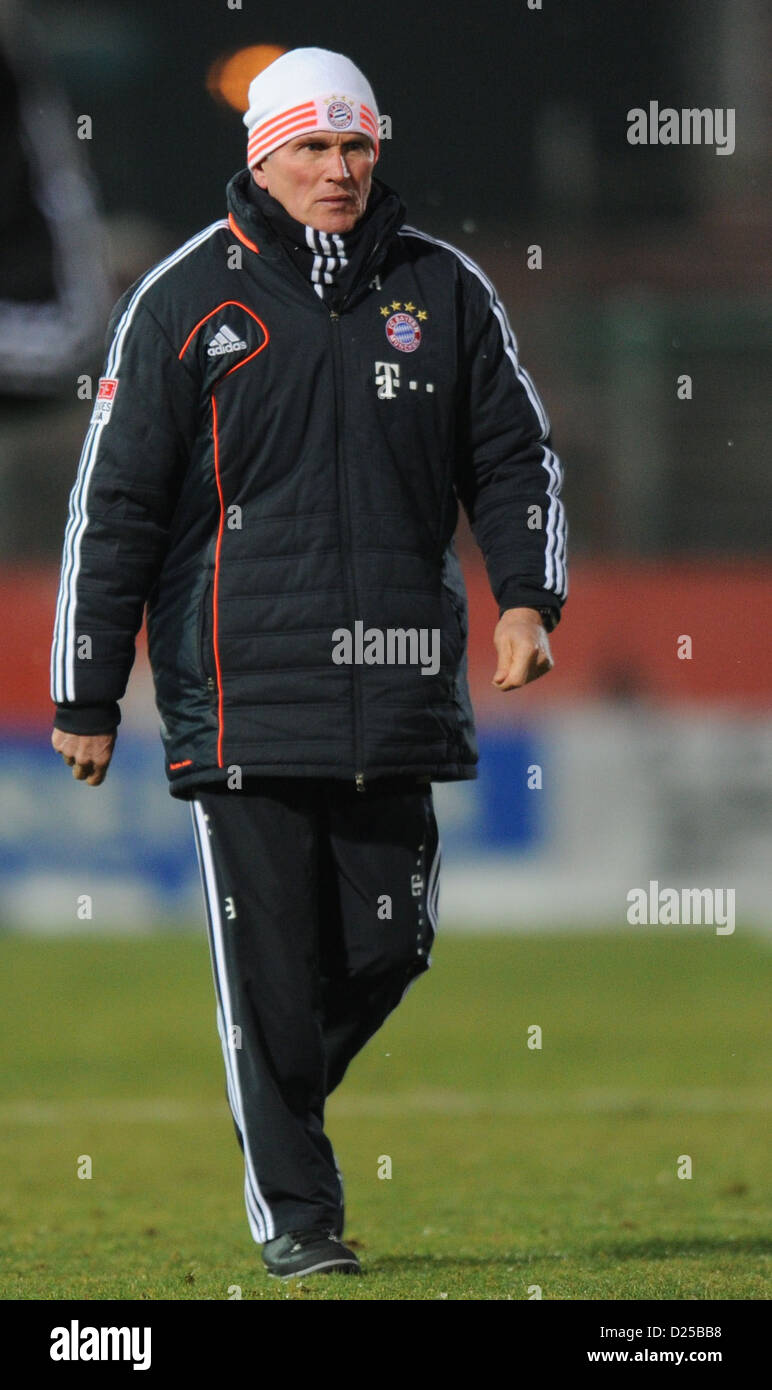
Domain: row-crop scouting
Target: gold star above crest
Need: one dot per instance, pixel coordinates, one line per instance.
(408, 306)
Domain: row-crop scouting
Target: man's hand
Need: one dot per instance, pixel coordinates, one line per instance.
(87, 754)
(523, 648)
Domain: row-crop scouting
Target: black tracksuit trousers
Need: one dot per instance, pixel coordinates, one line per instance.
(321, 904)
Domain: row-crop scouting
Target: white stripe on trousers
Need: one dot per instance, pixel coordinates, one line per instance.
(433, 893)
(433, 890)
(258, 1211)
(432, 905)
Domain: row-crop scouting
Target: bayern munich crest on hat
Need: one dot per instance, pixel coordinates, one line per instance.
(403, 332)
(340, 115)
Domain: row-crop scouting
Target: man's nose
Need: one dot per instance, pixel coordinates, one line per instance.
(338, 168)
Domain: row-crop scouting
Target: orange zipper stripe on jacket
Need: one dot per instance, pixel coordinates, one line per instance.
(216, 442)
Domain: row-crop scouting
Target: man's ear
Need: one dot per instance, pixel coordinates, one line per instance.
(258, 173)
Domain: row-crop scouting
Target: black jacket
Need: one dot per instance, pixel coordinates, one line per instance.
(269, 472)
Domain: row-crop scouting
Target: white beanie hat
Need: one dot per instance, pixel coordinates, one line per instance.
(304, 90)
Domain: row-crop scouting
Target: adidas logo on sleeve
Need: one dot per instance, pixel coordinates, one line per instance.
(225, 340)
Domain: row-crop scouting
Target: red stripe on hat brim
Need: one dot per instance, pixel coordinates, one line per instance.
(263, 137)
(257, 151)
(260, 144)
(296, 121)
(306, 108)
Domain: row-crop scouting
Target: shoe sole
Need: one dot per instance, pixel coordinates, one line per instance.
(328, 1266)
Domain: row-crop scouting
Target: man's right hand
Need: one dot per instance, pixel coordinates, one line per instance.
(87, 754)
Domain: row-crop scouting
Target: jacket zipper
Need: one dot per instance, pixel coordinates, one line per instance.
(363, 281)
(343, 488)
(334, 315)
(359, 779)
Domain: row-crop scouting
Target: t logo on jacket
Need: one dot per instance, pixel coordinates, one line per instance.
(387, 380)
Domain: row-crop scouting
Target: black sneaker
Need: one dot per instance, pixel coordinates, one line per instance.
(315, 1251)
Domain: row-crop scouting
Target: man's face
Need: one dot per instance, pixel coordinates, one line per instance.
(321, 179)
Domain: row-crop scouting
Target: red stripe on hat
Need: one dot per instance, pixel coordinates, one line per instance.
(369, 125)
(262, 137)
(307, 108)
(259, 142)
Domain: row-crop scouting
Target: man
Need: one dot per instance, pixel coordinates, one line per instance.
(292, 404)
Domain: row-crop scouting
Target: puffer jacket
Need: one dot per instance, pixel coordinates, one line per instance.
(277, 479)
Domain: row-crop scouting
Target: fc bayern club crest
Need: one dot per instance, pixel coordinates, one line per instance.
(403, 332)
(340, 115)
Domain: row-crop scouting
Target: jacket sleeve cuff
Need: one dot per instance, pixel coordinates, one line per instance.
(87, 719)
(513, 594)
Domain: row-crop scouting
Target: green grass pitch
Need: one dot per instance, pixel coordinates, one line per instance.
(511, 1167)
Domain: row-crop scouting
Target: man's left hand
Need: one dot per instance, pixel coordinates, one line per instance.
(523, 648)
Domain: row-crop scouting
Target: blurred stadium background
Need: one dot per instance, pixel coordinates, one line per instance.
(508, 131)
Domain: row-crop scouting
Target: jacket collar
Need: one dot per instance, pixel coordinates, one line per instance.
(265, 227)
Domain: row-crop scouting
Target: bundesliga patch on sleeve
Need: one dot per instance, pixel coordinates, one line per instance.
(103, 405)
